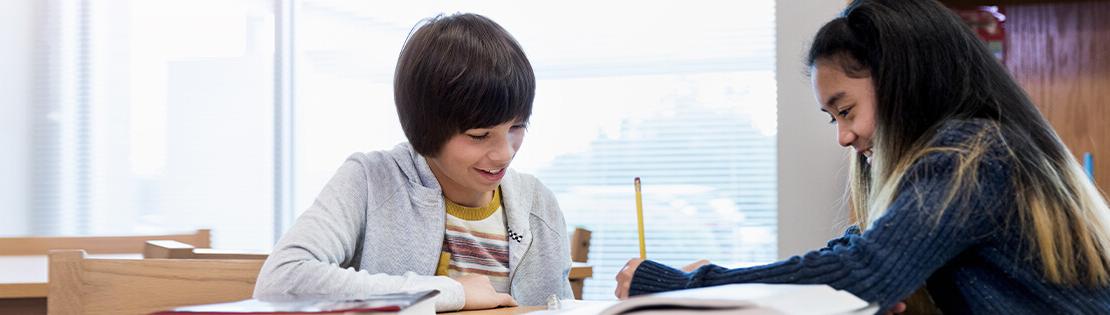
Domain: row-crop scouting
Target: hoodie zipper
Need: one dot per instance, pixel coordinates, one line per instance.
(517, 267)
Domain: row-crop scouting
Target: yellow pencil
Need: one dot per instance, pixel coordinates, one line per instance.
(640, 219)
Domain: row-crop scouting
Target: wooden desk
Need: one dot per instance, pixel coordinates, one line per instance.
(578, 274)
(23, 282)
(41, 245)
(26, 276)
(580, 271)
(23, 276)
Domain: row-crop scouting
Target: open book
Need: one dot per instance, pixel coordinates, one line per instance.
(396, 303)
(751, 298)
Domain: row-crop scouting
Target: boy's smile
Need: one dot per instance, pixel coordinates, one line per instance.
(472, 163)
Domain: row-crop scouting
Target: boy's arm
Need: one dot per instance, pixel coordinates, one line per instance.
(308, 261)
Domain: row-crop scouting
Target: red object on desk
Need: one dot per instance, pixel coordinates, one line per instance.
(396, 302)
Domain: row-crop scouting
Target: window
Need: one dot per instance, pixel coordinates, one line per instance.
(680, 95)
(159, 115)
(154, 116)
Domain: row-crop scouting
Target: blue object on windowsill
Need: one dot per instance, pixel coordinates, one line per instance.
(1089, 165)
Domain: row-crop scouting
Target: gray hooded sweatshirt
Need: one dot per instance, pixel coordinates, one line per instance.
(378, 226)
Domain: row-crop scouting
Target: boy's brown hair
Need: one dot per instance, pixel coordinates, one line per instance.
(456, 73)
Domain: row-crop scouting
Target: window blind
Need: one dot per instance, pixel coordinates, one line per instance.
(60, 129)
(154, 116)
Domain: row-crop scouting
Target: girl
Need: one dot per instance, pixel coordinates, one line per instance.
(442, 211)
(958, 181)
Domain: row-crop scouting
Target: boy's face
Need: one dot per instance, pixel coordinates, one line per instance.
(472, 163)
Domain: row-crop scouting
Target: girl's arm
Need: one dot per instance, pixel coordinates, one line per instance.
(307, 262)
(893, 258)
(843, 239)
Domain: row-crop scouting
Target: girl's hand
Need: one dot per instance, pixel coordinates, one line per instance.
(480, 294)
(897, 309)
(624, 277)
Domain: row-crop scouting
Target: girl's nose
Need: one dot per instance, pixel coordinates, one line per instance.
(844, 136)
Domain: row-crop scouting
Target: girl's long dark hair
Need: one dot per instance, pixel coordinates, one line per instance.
(928, 68)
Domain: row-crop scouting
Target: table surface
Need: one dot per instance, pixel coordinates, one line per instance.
(501, 311)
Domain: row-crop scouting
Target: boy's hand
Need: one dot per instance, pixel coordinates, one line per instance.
(480, 293)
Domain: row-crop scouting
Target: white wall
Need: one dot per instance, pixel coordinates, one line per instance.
(16, 48)
(811, 166)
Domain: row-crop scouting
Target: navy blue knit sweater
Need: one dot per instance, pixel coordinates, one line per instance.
(973, 257)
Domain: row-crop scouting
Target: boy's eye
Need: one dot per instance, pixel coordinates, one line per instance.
(478, 136)
(520, 126)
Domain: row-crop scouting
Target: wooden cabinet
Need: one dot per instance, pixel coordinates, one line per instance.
(1060, 53)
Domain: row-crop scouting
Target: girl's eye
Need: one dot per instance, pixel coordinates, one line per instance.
(842, 114)
(520, 126)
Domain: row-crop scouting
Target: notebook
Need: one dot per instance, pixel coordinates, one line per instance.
(750, 298)
(396, 303)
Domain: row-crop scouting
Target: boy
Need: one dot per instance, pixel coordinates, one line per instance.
(442, 211)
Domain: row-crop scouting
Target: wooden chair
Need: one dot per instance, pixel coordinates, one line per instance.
(23, 263)
(579, 254)
(580, 245)
(82, 285)
(41, 245)
(169, 249)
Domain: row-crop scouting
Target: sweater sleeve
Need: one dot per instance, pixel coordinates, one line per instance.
(315, 258)
(893, 257)
(843, 240)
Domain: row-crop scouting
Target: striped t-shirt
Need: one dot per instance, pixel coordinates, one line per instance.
(475, 243)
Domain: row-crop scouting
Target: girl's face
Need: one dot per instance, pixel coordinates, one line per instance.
(850, 103)
(472, 163)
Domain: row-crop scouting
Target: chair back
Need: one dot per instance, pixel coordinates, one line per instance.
(169, 249)
(41, 245)
(580, 245)
(579, 254)
(93, 286)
